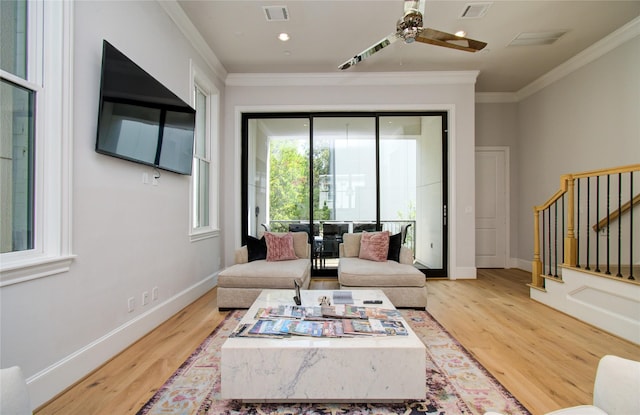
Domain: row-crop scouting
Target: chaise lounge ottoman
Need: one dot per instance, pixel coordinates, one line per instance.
(401, 282)
(240, 284)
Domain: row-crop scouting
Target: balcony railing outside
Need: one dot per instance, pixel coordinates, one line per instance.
(326, 238)
(589, 224)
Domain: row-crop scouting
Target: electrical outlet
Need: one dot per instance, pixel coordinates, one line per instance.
(131, 304)
(145, 298)
(154, 294)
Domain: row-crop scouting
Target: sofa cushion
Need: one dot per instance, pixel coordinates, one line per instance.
(280, 247)
(351, 245)
(256, 248)
(264, 274)
(358, 272)
(300, 243)
(395, 243)
(374, 246)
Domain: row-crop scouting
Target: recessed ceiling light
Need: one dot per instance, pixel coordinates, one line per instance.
(284, 37)
(461, 33)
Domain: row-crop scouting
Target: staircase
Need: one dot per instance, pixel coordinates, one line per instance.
(587, 250)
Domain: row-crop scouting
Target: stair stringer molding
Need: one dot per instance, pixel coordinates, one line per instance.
(610, 305)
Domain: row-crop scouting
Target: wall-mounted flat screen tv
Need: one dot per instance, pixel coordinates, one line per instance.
(139, 119)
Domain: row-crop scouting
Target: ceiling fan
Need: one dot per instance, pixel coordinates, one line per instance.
(409, 28)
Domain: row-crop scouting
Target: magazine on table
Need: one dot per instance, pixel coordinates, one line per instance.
(351, 311)
(244, 330)
(293, 311)
(348, 327)
(338, 311)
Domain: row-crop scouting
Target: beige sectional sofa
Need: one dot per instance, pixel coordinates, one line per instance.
(240, 284)
(401, 282)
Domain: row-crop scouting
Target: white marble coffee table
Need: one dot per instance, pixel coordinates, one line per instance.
(308, 369)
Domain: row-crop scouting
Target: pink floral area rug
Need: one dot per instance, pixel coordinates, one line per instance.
(455, 383)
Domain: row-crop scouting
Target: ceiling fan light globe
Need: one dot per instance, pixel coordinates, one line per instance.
(409, 34)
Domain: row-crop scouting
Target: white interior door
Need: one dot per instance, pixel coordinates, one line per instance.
(491, 207)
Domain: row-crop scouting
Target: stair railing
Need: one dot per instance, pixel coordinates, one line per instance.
(592, 197)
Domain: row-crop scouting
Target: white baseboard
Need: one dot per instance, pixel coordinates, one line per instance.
(46, 384)
(522, 264)
(462, 273)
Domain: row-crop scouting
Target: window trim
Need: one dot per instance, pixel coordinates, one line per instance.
(212, 94)
(50, 46)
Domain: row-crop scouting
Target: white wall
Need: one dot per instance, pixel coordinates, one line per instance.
(588, 120)
(496, 125)
(128, 236)
(264, 93)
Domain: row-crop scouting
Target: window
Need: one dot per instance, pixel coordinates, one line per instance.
(34, 139)
(350, 172)
(204, 222)
(16, 167)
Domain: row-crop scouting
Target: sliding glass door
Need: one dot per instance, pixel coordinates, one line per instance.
(350, 172)
(344, 190)
(413, 191)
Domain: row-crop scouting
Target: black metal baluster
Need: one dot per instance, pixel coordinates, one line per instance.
(543, 240)
(550, 258)
(577, 226)
(631, 226)
(562, 230)
(555, 238)
(587, 267)
(597, 224)
(608, 271)
(619, 274)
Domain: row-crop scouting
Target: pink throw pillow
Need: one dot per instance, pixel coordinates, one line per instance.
(280, 248)
(374, 246)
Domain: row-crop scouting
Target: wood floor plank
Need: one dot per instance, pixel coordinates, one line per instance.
(543, 357)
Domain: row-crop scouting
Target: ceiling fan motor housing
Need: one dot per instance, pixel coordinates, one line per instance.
(409, 26)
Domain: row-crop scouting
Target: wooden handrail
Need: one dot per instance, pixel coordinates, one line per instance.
(566, 178)
(557, 195)
(567, 183)
(603, 172)
(616, 213)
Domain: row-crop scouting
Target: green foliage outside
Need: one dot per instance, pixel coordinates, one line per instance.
(289, 183)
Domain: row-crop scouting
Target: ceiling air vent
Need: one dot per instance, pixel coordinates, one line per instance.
(475, 10)
(536, 38)
(276, 13)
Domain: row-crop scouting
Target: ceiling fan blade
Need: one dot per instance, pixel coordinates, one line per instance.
(438, 38)
(370, 51)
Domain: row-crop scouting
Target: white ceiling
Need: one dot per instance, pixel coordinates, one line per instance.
(325, 33)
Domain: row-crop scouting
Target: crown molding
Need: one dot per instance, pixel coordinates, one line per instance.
(352, 78)
(496, 97)
(179, 17)
(593, 52)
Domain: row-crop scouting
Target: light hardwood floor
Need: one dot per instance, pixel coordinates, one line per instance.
(545, 358)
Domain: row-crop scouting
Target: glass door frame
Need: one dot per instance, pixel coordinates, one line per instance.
(309, 116)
